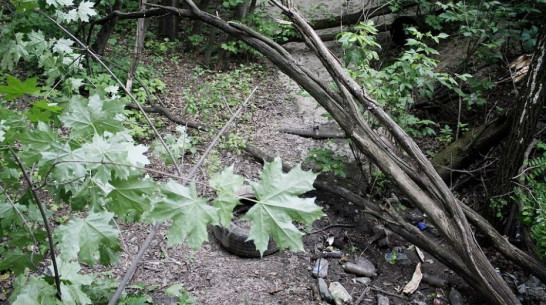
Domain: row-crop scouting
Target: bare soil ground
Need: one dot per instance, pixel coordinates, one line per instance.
(215, 276)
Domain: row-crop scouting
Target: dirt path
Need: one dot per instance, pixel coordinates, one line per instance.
(217, 277)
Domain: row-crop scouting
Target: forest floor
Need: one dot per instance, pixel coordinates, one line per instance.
(215, 276)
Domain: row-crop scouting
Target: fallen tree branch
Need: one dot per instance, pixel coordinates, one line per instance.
(434, 198)
(315, 133)
(165, 112)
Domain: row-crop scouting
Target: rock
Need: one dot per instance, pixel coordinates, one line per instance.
(363, 267)
(320, 269)
(382, 300)
(323, 291)
(364, 280)
(434, 280)
(339, 293)
(455, 297)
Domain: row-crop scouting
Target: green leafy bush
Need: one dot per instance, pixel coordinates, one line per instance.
(399, 85)
(531, 196)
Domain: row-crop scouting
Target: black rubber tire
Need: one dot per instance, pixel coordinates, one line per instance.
(234, 241)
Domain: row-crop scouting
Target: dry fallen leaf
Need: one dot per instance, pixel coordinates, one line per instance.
(412, 285)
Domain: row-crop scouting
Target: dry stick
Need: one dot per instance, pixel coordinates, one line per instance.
(389, 293)
(209, 148)
(139, 44)
(134, 264)
(361, 297)
(342, 225)
(46, 223)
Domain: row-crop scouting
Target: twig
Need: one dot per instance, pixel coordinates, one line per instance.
(134, 264)
(165, 112)
(220, 133)
(361, 297)
(46, 223)
(332, 226)
(389, 293)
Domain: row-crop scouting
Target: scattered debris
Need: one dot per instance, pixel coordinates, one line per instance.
(413, 284)
(363, 280)
(362, 267)
(533, 289)
(434, 280)
(455, 297)
(420, 254)
(323, 291)
(339, 293)
(397, 255)
(320, 269)
(382, 300)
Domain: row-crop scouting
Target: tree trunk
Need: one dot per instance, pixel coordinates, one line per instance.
(197, 24)
(353, 18)
(168, 25)
(106, 30)
(470, 146)
(524, 120)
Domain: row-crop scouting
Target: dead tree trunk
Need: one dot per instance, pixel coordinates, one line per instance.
(139, 45)
(524, 120)
(410, 169)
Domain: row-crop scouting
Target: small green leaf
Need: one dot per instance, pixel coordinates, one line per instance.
(130, 198)
(226, 184)
(34, 291)
(190, 214)
(81, 238)
(95, 115)
(17, 260)
(15, 88)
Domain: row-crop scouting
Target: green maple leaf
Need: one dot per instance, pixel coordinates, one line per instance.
(82, 238)
(72, 281)
(278, 205)
(33, 291)
(92, 193)
(16, 88)
(37, 43)
(38, 140)
(96, 115)
(190, 214)
(42, 111)
(226, 184)
(113, 148)
(132, 197)
(85, 10)
(17, 260)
